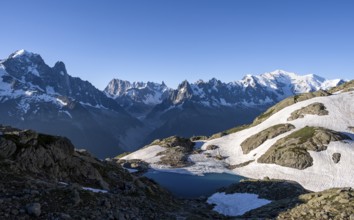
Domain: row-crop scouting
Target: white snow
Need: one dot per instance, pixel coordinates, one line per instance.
(236, 204)
(93, 106)
(94, 190)
(33, 70)
(147, 154)
(61, 102)
(87, 188)
(29, 93)
(21, 53)
(131, 170)
(153, 99)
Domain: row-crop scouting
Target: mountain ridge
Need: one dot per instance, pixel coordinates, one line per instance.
(129, 115)
(34, 95)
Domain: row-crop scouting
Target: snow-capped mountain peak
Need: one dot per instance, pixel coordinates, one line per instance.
(125, 92)
(251, 90)
(21, 53)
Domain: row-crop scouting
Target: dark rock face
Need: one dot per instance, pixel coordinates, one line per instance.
(292, 150)
(256, 140)
(312, 109)
(336, 157)
(46, 178)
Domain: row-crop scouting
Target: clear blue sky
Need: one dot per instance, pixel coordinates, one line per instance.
(169, 40)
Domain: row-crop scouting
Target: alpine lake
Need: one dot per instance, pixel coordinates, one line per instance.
(192, 186)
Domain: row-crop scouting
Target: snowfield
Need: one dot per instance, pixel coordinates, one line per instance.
(236, 204)
(323, 174)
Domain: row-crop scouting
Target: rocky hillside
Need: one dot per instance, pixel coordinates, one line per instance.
(306, 138)
(44, 177)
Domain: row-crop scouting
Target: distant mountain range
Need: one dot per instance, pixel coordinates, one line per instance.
(204, 108)
(126, 115)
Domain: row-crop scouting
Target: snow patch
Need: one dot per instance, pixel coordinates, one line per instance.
(94, 190)
(237, 203)
(61, 102)
(147, 154)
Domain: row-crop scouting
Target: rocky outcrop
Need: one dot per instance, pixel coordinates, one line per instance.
(345, 87)
(312, 109)
(287, 102)
(292, 150)
(328, 204)
(31, 152)
(231, 167)
(175, 157)
(271, 189)
(174, 141)
(177, 151)
(44, 177)
(291, 201)
(336, 157)
(256, 140)
(212, 147)
(136, 164)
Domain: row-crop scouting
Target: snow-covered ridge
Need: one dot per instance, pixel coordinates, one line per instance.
(149, 93)
(252, 90)
(21, 52)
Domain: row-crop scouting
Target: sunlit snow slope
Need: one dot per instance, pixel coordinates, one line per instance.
(323, 174)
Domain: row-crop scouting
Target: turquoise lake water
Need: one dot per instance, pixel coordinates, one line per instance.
(192, 186)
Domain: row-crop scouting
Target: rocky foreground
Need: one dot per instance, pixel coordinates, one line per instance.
(44, 177)
(291, 201)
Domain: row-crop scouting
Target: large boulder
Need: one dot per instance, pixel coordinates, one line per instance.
(175, 141)
(292, 150)
(256, 140)
(312, 109)
(176, 157)
(177, 151)
(336, 157)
